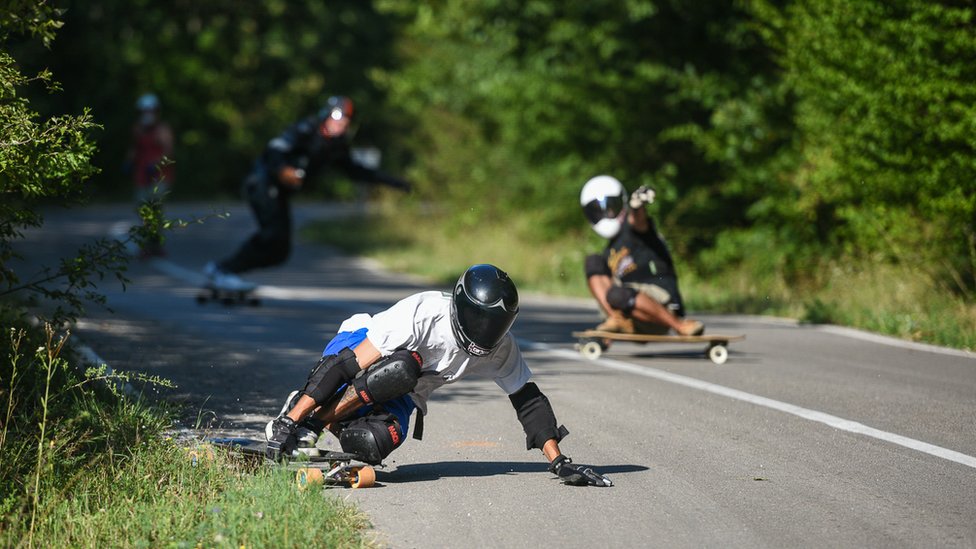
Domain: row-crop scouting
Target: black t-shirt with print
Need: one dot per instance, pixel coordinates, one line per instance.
(643, 258)
(638, 257)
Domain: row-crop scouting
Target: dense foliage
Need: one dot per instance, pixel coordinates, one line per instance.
(799, 132)
(783, 136)
(886, 121)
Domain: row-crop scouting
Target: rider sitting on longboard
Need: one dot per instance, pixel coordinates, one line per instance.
(379, 368)
(634, 279)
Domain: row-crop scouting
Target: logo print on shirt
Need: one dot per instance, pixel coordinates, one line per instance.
(621, 262)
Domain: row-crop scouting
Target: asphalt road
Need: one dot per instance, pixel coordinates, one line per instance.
(809, 436)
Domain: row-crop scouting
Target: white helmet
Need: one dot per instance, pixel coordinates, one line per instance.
(604, 204)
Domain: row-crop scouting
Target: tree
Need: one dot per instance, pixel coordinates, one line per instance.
(43, 161)
(527, 100)
(885, 114)
(230, 75)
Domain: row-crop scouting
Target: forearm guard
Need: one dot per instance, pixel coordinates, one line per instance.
(536, 416)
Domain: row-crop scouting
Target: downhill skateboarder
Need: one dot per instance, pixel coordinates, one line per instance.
(288, 161)
(634, 279)
(379, 368)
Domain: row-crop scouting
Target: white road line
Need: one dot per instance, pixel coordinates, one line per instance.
(894, 342)
(805, 413)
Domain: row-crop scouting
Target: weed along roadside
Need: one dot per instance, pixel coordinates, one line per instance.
(82, 464)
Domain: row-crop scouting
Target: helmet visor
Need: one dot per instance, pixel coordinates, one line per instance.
(608, 207)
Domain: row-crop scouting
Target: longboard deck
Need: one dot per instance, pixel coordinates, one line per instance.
(592, 343)
(257, 448)
(228, 297)
(332, 468)
(650, 338)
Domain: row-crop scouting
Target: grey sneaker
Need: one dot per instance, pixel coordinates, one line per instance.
(307, 438)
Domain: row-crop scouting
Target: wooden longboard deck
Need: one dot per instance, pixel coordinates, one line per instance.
(649, 338)
(332, 468)
(254, 447)
(228, 297)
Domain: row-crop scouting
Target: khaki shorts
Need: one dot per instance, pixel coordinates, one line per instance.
(653, 291)
(656, 293)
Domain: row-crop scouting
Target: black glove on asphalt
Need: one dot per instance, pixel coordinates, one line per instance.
(283, 440)
(576, 475)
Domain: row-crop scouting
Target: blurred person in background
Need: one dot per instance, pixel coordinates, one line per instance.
(288, 161)
(150, 160)
(633, 279)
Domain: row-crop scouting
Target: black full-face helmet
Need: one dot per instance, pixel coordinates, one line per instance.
(483, 307)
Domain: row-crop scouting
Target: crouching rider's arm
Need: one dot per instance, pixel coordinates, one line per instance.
(541, 431)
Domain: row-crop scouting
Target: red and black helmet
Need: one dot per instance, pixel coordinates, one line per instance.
(336, 107)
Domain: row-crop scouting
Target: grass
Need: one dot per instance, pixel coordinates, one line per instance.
(83, 465)
(159, 498)
(882, 298)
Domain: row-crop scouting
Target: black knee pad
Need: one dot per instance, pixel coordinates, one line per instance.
(595, 265)
(622, 298)
(390, 377)
(329, 374)
(371, 437)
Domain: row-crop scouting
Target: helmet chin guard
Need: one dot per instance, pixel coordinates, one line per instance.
(608, 228)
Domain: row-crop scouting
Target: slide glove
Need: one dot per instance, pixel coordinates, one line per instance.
(283, 440)
(643, 195)
(576, 475)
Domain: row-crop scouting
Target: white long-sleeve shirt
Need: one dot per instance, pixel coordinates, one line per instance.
(422, 323)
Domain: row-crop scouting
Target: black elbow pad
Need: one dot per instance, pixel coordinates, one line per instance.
(536, 416)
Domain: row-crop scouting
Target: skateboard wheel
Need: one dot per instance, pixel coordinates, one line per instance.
(591, 349)
(362, 477)
(718, 354)
(308, 477)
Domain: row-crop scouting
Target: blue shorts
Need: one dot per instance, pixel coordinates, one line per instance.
(402, 407)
